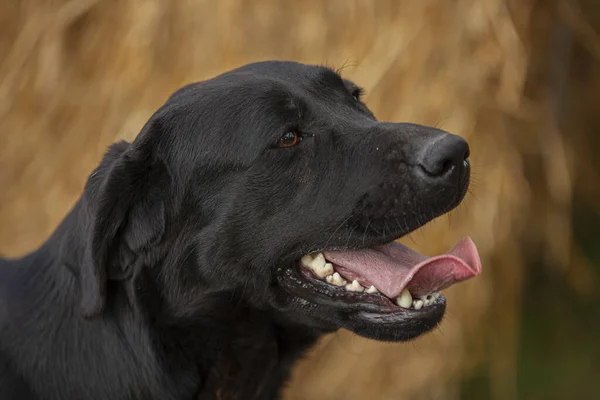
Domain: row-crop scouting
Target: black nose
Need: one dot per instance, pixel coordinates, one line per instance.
(443, 155)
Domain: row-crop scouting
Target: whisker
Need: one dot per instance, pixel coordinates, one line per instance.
(350, 235)
(366, 229)
(338, 228)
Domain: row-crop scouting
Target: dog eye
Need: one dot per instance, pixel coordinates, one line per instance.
(290, 139)
(357, 93)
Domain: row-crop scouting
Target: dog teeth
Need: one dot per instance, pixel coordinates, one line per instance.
(372, 289)
(425, 301)
(318, 264)
(405, 299)
(335, 279)
(354, 287)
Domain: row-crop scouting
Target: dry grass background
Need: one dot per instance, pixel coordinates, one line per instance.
(518, 78)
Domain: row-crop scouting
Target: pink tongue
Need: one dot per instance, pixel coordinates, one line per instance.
(393, 267)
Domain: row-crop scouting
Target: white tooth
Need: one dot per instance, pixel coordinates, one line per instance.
(372, 289)
(327, 270)
(405, 299)
(322, 272)
(307, 259)
(336, 279)
(417, 304)
(354, 287)
(319, 265)
(317, 262)
(427, 300)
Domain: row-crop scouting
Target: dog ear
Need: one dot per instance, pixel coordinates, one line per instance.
(127, 220)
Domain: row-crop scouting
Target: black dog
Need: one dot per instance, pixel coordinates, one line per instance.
(254, 212)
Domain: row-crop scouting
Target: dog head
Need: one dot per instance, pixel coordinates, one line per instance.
(274, 185)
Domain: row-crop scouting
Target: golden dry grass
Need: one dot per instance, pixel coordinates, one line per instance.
(77, 75)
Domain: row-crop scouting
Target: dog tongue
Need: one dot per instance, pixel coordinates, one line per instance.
(393, 267)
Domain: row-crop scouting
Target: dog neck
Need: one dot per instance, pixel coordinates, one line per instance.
(127, 351)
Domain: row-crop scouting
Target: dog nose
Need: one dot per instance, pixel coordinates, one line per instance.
(444, 155)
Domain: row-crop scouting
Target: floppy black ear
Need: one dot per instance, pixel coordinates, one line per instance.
(127, 221)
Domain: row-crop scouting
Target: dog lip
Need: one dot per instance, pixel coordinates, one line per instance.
(299, 282)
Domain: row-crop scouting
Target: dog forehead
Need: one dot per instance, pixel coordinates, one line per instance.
(289, 71)
(284, 85)
(290, 76)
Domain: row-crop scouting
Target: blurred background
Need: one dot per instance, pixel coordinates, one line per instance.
(520, 79)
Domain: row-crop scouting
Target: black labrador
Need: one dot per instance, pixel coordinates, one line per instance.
(254, 212)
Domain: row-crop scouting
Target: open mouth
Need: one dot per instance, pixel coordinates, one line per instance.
(389, 278)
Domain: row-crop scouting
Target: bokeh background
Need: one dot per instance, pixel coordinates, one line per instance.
(520, 79)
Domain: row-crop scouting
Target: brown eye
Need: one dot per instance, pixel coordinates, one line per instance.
(290, 139)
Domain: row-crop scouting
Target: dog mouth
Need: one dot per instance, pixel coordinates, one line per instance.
(390, 278)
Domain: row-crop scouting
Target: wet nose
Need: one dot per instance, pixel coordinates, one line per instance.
(444, 155)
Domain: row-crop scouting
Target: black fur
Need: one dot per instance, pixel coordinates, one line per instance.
(173, 275)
